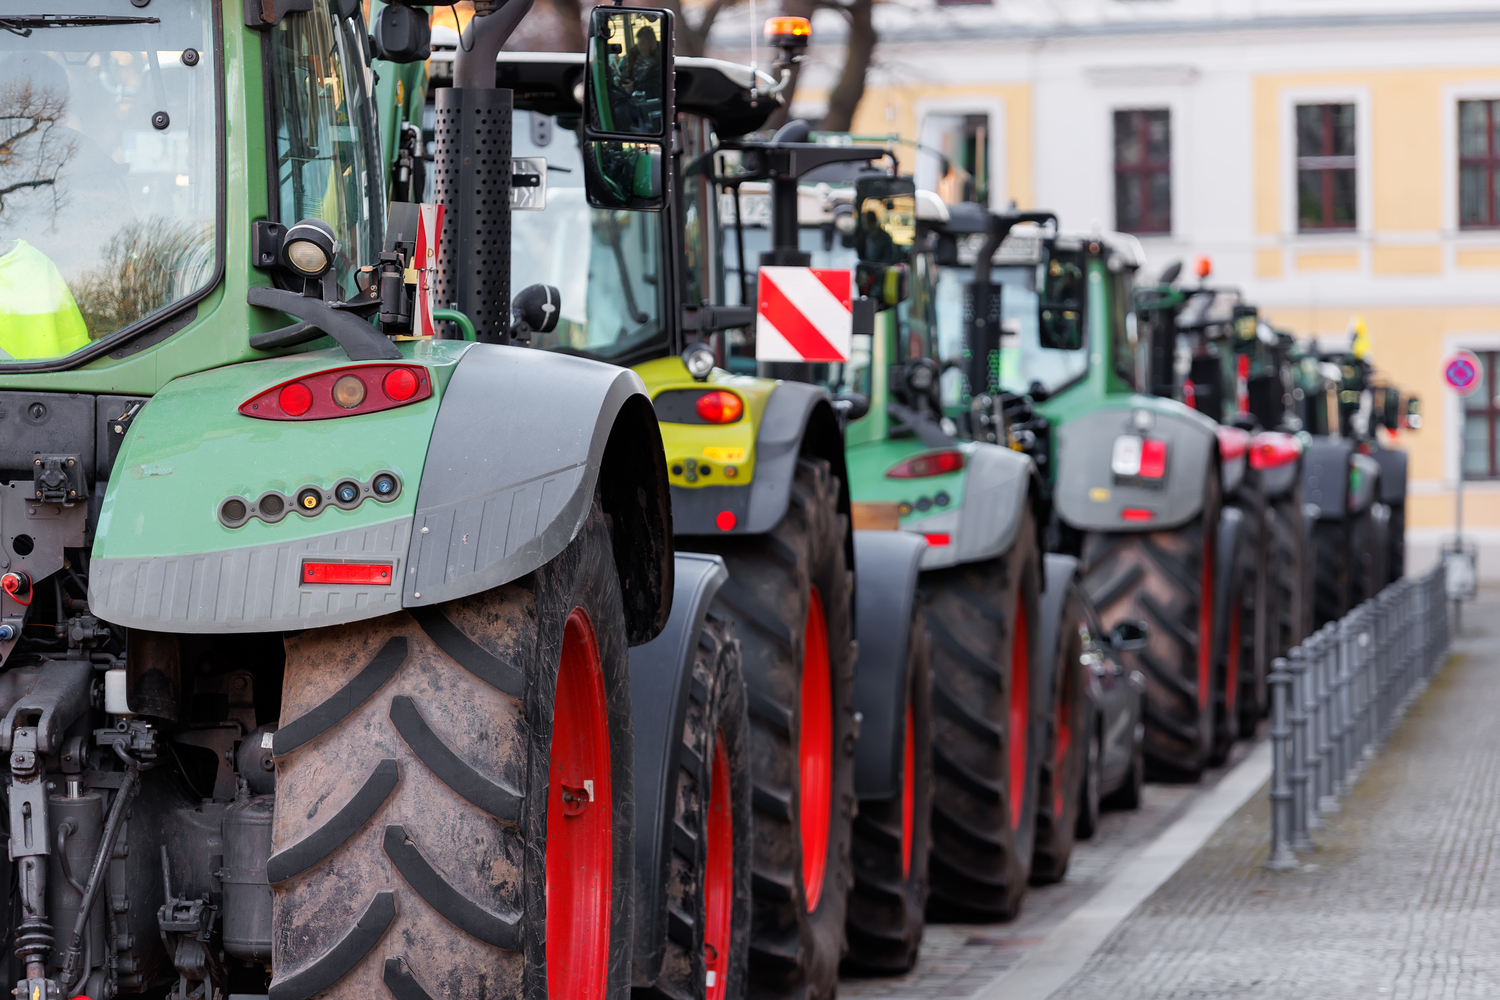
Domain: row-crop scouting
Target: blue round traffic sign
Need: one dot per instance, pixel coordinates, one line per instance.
(1462, 372)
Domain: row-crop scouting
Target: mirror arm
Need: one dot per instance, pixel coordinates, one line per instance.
(474, 65)
(921, 424)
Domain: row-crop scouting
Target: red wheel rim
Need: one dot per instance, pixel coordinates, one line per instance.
(815, 751)
(580, 822)
(1232, 666)
(1205, 624)
(1020, 711)
(718, 875)
(908, 791)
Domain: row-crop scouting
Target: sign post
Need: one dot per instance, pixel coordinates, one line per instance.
(1463, 373)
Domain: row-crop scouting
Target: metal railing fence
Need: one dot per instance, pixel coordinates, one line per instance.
(1337, 696)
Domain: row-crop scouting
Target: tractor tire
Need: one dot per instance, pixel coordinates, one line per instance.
(790, 596)
(454, 799)
(1259, 613)
(1064, 756)
(1166, 578)
(987, 720)
(892, 838)
(1334, 568)
(707, 951)
(1090, 800)
(1234, 658)
(1396, 552)
(1287, 566)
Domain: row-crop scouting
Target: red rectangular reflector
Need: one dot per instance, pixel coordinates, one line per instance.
(1136, 514)
(1153, 458)
(367, 574)
(937, 538)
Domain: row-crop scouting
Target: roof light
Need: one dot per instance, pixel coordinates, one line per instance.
(933, 463)
(788, 32)
(341, 392)
(720, 407)
(359, 574)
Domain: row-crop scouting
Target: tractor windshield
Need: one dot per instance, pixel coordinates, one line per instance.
(108, 172)
(1023, 360)
(605, 263)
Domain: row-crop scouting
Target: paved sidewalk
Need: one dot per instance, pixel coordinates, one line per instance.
(1398, 902)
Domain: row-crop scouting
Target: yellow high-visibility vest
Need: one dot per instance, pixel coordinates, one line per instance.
(39, 317)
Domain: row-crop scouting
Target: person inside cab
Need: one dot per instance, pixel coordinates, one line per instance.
(39, 317)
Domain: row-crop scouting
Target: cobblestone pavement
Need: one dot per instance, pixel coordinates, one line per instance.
(1396, 903)
(958, 960)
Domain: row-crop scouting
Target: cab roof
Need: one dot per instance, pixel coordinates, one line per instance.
(545, 82)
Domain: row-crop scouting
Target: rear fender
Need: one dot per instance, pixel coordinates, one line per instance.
(998, 483)
(1088, 498)
(511, 472)
(1392, 475)
(661, 672)
(1059, 574)
(798, 420)
(1234, 447)
(886, 586)
(1325, 476)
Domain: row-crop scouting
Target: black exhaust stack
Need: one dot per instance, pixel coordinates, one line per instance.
(472, 176)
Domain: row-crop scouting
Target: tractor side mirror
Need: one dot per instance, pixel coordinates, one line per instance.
(851, 406)
(534, 309)
(401, 35)
(887, 284)
(628, 108)
(1128, 635)
(1414, 413)
(885, 219)
(1390, 408)
(1060, 305)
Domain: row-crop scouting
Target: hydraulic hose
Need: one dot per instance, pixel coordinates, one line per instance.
(128, 788)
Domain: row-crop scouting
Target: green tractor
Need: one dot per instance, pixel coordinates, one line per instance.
(631, 240)
(1209, 350)
(1043, 350)
(1008, 681)
(315, 631)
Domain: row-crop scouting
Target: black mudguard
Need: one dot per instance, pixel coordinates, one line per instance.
(1227, 555)
(1058, 575)
(660, 673)
(1325, 476)
(1392, 463)
(886, 588)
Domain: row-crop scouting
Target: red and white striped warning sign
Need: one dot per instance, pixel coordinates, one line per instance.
(425, 262)
(804, 314)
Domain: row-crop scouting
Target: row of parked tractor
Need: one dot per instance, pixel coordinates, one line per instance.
(791, 559)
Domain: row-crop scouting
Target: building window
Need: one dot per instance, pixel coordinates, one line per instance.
(1143, 171)
(1478, 164)
(1325, 166)
(1482, 423)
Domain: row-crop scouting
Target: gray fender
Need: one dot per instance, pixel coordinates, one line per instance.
(1226, 563)
(660, 674)
(1365, 485)
(517, 450)
(1088, 498)
(997, 485)
(1277, 482)
(886, 590)
(1325, 476)
(1059, 573)
(1232, 471)
(1392, 475)
(798, 419)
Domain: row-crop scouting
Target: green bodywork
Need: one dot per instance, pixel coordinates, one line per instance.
(191, 449)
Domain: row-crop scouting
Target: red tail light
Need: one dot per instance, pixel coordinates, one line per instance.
(1136, 514)
(1153, 458)
(938, 538)
(334, 393)
(934, 463)
(359, 574)
(1232, 442)
(1272, 449)
(720, 407)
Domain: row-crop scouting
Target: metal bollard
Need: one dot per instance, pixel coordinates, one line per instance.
(1339, 701)
(1327, 665)
(1282, 804)
(1297, 715)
